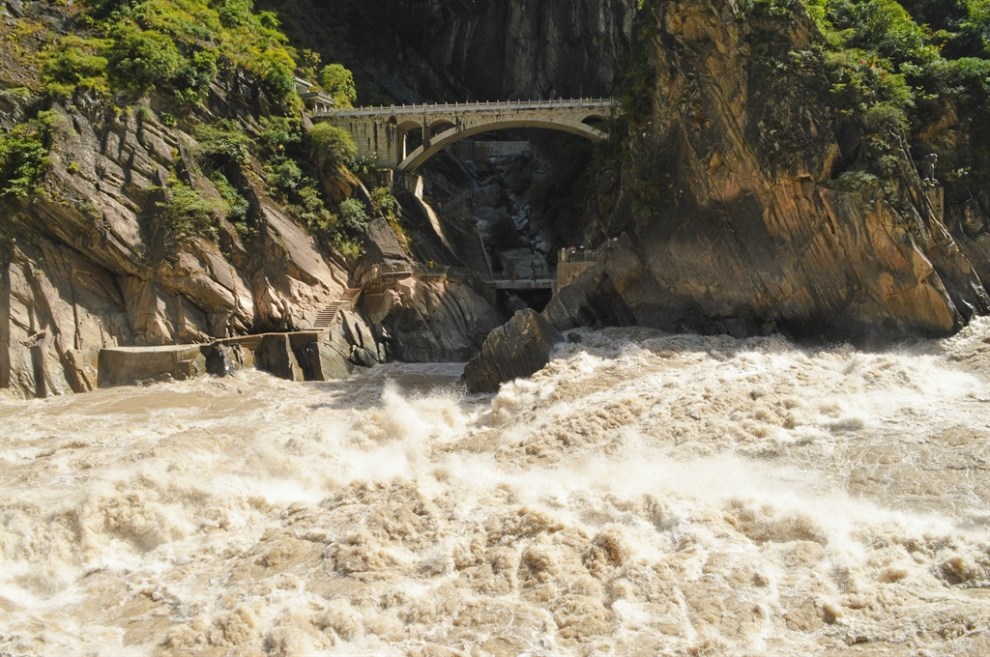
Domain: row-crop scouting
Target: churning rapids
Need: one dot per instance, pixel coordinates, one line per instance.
(644, 494)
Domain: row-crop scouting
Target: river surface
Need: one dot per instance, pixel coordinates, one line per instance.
(644, 494)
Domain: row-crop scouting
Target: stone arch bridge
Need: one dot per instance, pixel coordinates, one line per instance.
(382, 134)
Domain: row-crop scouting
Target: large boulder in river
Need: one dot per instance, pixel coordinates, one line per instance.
(427, 320)
(518, 348)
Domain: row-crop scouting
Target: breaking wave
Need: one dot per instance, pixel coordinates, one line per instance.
(644, 494)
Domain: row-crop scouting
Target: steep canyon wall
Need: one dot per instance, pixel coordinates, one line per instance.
(728, 190)
(731, 197)
(438, 50)
(732, 191)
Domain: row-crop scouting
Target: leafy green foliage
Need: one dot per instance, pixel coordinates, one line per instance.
(276, 68)
(310, 208)
(384, 204)
(176, 44)
(194, 78)
(882, 26)
(186, 214)
(223, 143)
(285, 176)
(331, 145)
(234, 13)
(139, 58)
(279, 134)
(338, 81)
(73, 62)
(238, 206)
(24, 158)
(353, 214)
(896, 67)
(856, 181)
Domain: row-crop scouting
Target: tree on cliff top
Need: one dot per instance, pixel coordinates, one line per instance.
(339, 83)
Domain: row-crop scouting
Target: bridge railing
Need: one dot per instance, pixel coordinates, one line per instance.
(378, 273)
(581, 254)
(427, 108)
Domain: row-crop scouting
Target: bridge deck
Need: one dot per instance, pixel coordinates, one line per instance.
(460, 108)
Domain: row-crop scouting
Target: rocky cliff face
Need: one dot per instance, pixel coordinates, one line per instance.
(732, 190)
(468, 49)
(430, 320)
(526, 49)
(85, 263)
(735, 214)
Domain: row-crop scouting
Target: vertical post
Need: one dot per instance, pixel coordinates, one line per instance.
(38, 348)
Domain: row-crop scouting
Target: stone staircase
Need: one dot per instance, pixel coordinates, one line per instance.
(325, 317)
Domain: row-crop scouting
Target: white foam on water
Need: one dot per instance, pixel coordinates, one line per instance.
(643, 494)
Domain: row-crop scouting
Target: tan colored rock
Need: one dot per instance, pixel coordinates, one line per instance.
(83, 265)
(730, 204)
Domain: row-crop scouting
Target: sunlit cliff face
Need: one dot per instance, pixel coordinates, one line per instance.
(643, 494)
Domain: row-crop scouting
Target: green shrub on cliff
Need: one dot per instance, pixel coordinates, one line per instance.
(194, 78)
(24, 158)
(139, 59)
(384, 203)
(331, 145)
(186, 214)
(278, 135)
(75, 62)
(904, 65)
(338, 81)
(284, 176)
(222, 143)
(353, 214)
(141, 45)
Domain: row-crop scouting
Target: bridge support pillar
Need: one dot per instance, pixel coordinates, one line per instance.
(411, 183)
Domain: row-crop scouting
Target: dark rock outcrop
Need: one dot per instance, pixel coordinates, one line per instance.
(276, 355)
(518, 348)
(491, 50)
(431, 320)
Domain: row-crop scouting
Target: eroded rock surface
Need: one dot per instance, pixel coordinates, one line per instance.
(439, 320)
(518, 348)
(731, 199)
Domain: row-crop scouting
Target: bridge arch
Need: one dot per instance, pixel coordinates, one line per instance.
(406, 136)
(441, 125)
(420, 155)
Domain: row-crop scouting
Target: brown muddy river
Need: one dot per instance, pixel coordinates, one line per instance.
(644, 494)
